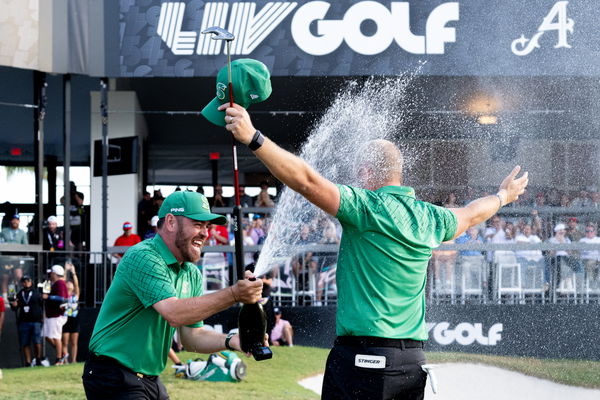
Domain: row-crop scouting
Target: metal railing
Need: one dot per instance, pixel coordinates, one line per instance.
(467, 274)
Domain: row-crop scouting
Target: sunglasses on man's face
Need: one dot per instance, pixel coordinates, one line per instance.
(589, 230)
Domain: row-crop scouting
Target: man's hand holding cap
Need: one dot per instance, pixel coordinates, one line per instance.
(251, 83)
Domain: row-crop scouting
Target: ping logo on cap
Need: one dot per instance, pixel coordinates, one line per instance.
(221, 87)
(180, 209)
(253, 96)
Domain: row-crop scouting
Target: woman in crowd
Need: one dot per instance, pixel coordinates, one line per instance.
(70, 335)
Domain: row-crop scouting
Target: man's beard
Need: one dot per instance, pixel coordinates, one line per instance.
(185, 247)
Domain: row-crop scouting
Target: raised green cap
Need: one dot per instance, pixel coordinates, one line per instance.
(193, 205)
(251, 83)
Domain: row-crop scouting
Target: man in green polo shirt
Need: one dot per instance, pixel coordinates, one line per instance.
(388, 236)
(157, 288)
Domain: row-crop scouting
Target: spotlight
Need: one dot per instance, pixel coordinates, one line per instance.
(487, 119)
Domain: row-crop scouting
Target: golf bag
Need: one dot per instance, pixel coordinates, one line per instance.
(224, 366)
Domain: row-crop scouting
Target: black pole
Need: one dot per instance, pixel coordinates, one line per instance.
(104, 116)
(51, 162)
(67, 158)
(39, 96)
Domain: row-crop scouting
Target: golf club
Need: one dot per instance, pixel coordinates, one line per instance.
(252, 322)
(219, 33)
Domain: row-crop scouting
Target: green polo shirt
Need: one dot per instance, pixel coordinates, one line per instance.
(128, 328)
(382, 265)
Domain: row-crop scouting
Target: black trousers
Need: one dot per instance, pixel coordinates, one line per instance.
(348, 374)
(104, 378)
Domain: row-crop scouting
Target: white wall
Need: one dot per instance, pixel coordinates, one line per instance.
(19, 42)
(123, 190)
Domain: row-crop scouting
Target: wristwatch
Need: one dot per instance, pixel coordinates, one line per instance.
(227, 340)
(257, 140)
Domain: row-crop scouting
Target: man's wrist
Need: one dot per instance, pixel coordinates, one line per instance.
(228, 340)
(501, 198)
(257, 140)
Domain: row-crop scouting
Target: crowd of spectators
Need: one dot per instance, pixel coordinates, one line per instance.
(48, 310)
(561, 268)
(529, 220)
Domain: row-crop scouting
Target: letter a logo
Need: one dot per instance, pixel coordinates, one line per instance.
(556, 20)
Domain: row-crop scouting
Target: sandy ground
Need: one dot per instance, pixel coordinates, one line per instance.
(477, 382)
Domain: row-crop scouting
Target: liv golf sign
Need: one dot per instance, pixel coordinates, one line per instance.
(344, 37)
(251, 25)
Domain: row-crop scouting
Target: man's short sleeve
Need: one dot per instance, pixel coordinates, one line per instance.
(2, 306)
(353, 203)
(148, 277)
(447, 223)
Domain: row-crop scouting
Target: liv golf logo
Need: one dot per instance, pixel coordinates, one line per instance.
(465, 333)
(312, 29)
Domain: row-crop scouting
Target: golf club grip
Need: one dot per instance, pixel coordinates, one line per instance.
(230, 95)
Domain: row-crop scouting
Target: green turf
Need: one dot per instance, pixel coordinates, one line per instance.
(273, 379)
(276, 378)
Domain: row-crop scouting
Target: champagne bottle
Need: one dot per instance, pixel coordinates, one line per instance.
(252, 327)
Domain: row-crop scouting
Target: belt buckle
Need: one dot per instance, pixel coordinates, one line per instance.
(139, 375)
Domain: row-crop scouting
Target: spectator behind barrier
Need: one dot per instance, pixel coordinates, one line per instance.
(28, 305)
(70, 330)
(127, 238)
(53, 235)
(153, 228)
(257, 233)
(470, 236)
(264, 199)
(76, 216)
(282, 333)
(591, 258)
(13, 234)
(218, 200)
(145, 212)
(55, 304)
(245, 200)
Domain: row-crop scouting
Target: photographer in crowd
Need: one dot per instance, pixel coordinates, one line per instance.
(28, 305)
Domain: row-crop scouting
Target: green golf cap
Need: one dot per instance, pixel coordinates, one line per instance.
(251, 83)
(192, 205)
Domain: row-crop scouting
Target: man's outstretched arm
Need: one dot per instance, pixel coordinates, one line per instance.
(485, 207)
(285, 166)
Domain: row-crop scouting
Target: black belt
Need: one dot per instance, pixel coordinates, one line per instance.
(372, 341)
(112, 361)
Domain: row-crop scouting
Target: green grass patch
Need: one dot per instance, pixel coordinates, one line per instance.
(273, 379)
(276, 378)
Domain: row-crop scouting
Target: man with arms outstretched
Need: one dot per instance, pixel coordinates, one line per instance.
(386, 244)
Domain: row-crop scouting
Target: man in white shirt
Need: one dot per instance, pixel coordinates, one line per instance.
(590, 258)
(527, 257)
(558, 258)
(530, 260)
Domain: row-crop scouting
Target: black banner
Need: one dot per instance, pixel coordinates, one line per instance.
(313, 38)
(542, 331)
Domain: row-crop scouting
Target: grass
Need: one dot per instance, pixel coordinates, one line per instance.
(276, 378)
